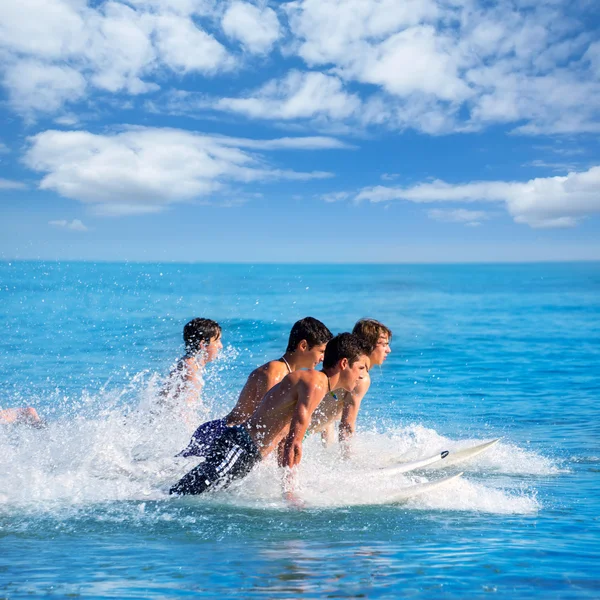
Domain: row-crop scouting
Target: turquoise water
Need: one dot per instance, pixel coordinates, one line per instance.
(478, 352)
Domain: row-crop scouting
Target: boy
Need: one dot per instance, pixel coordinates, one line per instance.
(202, 339)
(344, 406)
(283, 416)
(305, 349)
(21, 416)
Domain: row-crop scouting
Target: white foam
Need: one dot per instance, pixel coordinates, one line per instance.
(106, 452)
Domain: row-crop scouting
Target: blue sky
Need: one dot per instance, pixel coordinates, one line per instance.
(314, 130)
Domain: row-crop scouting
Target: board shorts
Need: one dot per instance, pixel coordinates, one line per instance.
(203, 437)
(231, 456)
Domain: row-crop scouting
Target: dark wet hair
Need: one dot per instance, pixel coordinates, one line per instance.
(309, 329)
(343, 345)
(369, 331)
(197, 331)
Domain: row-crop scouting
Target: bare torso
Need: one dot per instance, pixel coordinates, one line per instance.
(271, 421)
(344, 408)
(329, 411)
(260, 381)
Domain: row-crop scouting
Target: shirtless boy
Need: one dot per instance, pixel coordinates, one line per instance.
(344, 406)
(305, 349)
(202, 339)
(21, 416)
(283, 414)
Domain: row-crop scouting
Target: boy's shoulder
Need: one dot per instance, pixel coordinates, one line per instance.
(310, 377)
(273, 367)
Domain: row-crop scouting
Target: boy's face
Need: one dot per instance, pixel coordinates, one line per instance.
(381, 350)
(311, 357)
(212, 349)
(353, 373)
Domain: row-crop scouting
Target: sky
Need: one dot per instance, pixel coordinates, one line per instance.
(306, 131)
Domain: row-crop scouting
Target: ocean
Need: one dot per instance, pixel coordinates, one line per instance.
(478, 352)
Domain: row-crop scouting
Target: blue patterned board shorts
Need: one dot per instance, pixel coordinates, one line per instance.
(203, 437)
(230, 456)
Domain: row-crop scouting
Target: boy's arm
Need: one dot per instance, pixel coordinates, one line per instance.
(308, 400)
(350, 411)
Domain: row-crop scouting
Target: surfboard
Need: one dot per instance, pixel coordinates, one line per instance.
(414, 465)
(441, 460)
(421, 488)
(458, 456)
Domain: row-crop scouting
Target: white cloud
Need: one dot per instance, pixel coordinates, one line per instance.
(296, 96)
(437, 67)
(336, 196)
(256, 28)
(68, 120)
(442, 67)
(186, 8)
(140, 170)
(74, 225)
(291, 143)
(556, 166)
(109, 45)
(46, 29)
(400, 47)
(541, 202)
(120, 49)
(7, 184)
(184, 47)
(35, 86)
(470, 218)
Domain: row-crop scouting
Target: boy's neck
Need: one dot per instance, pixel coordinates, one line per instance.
(291, 360)
(333, 377)
(199, 358)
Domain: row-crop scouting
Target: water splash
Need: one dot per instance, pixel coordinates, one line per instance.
(116, 446)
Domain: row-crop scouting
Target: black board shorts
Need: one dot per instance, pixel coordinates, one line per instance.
(203, 438)
(230, 456)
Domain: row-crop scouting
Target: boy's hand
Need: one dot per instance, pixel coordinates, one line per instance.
(292, 454)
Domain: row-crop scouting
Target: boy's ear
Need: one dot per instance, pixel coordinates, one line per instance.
(302, 346)
(344, 363)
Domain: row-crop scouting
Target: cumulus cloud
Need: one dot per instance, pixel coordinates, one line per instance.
(72, 47)
(542, 202)
(143, 170)
(184, 47)
(437, 67)
(35, 86)
(298, 95)
(74, 225)
(457, 66)
(256, 28)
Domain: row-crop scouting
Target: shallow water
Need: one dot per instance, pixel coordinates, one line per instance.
(478, 352)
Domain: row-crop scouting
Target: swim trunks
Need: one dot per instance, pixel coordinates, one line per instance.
(230, 456)
(203, 437)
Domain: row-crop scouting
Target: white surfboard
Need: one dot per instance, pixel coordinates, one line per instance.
(421, 488)
(414, 465)
(458, 456)
(441, 460)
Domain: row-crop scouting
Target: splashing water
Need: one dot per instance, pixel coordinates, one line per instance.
(106, 452)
